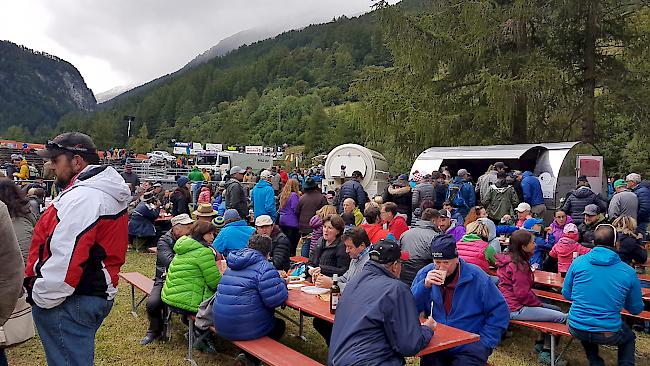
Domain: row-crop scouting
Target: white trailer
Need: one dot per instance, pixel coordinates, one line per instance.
(345, 159)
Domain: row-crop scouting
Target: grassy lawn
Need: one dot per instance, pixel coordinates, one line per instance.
(117, 339)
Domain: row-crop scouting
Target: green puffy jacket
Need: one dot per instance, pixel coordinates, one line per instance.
(192, 277)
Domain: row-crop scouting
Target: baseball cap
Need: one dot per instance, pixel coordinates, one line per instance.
(263, 220)
(182, 219)
(529, 223)
(74, 142)
(570, 228)
(522, 207)
(462, 172)
(444, 247)
(445, 213)
(500, 165)
(387, 251)
(236, 169)
(231, 214)
(591, 210)
(265, 174)
(619, 183)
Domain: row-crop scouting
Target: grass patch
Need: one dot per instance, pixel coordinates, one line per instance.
(118, 337)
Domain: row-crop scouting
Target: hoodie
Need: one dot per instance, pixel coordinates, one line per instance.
(397, 226)
(532, 189)
(516, 283)
(542, 247)
(500, 201)
(376, 232)
(563, 250)
(232, 237)
(600, 285)
(87, 227)
(263, 200)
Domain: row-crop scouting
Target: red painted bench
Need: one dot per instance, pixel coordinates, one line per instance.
(139, 281)
(644, 315)
(554, 329)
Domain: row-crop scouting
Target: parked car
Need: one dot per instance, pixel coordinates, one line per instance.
(160, 157)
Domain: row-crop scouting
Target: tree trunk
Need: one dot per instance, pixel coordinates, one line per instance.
(519, 119)
(589, 76)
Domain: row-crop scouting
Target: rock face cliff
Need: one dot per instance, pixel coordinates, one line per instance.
(36, 88)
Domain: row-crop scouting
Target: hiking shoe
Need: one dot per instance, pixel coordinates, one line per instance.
(206, 347)
(539, 346)
(243, 360)
(148, 338)
(545, 359)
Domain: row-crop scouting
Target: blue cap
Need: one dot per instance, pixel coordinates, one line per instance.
(182, 181)
(529, 223)
(231, 214)
(444, 247)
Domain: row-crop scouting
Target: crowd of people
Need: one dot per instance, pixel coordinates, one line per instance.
(429, 245)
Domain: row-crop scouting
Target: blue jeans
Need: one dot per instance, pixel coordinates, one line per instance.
(544, 313)
(623, 339)
(473, 354)
(67, 331)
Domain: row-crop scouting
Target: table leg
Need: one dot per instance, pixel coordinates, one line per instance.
(301, 326)
(552, 350)
(133, 302)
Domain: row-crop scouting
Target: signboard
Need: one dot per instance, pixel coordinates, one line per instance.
(182, 144)
(185, 151)
(214, 147)
(197, 146)
(592, 168)
(232, 148)
(254, 149)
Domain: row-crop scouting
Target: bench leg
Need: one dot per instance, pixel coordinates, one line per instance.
(190, 342)
(133, 307)
(565, 348)
(552, 350)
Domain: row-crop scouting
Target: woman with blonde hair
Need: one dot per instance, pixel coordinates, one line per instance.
(474, 248)
(628, 240)
(289, 215)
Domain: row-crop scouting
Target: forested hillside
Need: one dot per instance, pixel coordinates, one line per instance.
(407, 77)
(36, 89)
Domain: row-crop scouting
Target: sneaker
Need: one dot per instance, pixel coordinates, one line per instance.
(539, 346)
(243, 360)
(148, 338)
(545, 359)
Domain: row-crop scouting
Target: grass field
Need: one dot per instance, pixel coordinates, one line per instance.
(117, 339)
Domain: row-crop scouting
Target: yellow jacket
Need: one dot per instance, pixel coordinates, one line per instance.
(24, 171)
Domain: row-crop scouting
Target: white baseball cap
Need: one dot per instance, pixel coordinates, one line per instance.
(523, 207)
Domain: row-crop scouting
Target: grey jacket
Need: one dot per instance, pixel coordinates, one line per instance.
(11, 275)
(235, 197)
(421, 192)
(483, 184)
(24, 230)
(624, 203)
(356, 265)
(417, 242)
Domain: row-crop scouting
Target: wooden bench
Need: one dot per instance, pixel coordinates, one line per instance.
(554, 329)
(139, 281)
(272, 352)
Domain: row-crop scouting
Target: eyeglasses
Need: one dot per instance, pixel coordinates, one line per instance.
(55, 145)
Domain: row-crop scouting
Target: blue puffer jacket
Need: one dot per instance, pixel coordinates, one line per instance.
(477, 306)
(247, 296)
(642, 192)
(232, 237)
(141, 221)
(600, 285)
(263, 200)
(532, 189)
(352, 189)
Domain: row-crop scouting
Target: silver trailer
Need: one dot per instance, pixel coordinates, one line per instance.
(557, 164)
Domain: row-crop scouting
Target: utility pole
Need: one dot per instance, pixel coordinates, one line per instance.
(129, 119)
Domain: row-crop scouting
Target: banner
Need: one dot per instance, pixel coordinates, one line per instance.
(254, 149)
(214, 147)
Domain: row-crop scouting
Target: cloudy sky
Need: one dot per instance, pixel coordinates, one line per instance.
(129, 42)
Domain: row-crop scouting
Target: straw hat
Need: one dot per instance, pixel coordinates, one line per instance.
(205, 210)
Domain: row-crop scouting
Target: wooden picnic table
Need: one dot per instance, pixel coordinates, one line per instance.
(445, 337)
(555, 280)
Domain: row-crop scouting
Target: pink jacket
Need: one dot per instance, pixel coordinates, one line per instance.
(474, 252)
(204, 196)
(563, 251)
(515, 283)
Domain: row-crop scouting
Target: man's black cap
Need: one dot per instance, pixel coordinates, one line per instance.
(74, 142)
(386, 251)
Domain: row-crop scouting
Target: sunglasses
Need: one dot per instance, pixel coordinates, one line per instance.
(55, 145)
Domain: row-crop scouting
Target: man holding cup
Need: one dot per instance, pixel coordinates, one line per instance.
(461, 295)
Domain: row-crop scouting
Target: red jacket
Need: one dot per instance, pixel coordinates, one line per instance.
(516, 283)
(376, 232)
(80, 242)
(398, 226)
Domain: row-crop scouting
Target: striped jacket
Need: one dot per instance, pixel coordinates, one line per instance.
(80, 241)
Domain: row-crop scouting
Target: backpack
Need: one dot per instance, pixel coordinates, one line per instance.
(454, 196)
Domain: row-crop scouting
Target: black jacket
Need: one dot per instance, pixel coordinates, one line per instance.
(280, 250)
(579, 199)
(235, 197)
(331, 259)
(352, 189)
(631, 249)
(180, 202)
(164, 256)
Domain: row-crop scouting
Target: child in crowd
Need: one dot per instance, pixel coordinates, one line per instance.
(565, 248)
(542, 246)
(515, 283)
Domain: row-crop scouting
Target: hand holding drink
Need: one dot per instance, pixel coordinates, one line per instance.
(435, 277)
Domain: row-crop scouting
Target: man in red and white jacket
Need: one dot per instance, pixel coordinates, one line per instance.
(78, 247)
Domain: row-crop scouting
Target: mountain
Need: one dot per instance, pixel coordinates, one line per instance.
(112, 93)
(38, 88)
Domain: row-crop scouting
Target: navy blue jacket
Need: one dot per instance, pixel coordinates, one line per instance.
(532, 189)
(247, 296)
(141, 221)
(376, 321)
(477, 306)
(352, 189)
(642, 192)
(579, 199)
